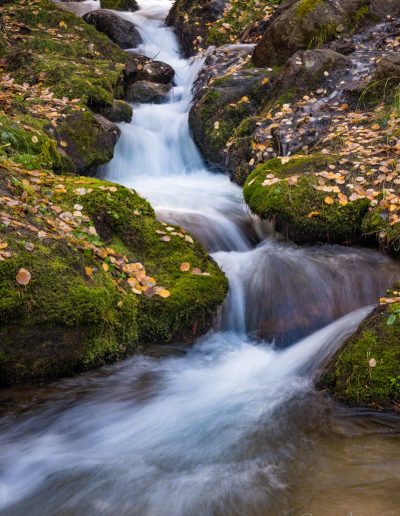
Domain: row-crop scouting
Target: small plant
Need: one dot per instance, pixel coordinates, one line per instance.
(392, 318)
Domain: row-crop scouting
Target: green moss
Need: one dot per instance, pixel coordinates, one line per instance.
(60, 301)
(350, 377)
(65, 320)
(303, 7)
(119, 5)
(236, 17)
(299, 210)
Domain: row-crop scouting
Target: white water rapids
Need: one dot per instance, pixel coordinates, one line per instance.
(223, 428)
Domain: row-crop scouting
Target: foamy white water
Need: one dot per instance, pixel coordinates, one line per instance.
(222, 428)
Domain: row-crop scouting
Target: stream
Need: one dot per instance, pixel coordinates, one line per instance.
(233, 424)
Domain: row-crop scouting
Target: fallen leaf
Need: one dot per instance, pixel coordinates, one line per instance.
(328, 200)
(164, 293)
(23, 277)
(185, 266)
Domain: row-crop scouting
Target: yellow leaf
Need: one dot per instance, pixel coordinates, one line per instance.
(3, 245)
(328, 200)
(313, 214)
(164, 293)
(105, 267)
(89, 271)
(34, 139)
(63, 24)
(23, 277)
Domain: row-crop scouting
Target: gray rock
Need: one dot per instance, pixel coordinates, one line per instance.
(147, 92)
(142, 68)
(119, 30)
(300, 24)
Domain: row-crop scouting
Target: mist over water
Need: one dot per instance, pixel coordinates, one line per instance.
(231, 426)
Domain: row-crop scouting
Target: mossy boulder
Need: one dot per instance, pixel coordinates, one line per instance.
(119, 5)
(55, 48)
(84, 243)
(366, 370)
(120, 111)
(88, 140)
(284, 190)
(192, 21)
(220, 108)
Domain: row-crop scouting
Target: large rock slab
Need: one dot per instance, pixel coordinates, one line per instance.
(119, 30)
(302, 24)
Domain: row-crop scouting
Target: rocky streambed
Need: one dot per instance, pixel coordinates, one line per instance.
(101, 116)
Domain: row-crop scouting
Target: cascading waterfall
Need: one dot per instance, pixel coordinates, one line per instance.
(219, 428)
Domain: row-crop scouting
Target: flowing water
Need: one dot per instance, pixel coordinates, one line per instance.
(231, 426)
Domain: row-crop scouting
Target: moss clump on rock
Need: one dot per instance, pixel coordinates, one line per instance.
(119, 5)
(366, 371)
(289, 198)
(77, 237)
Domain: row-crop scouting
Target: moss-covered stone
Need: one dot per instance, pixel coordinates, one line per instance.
(366, 371)
(297, 208)
(79, 310)
(119, 5)
(221, 108)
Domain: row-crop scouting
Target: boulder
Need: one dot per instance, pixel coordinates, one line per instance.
(309, 23)
(310, 69)
(192, 20)
(119, 5)
(142, 68)
(86, 303)
(120, 31)
(220, 108)
(88, 140)
(283, 190)
(119, 111)
(366, 370)
(147, 92)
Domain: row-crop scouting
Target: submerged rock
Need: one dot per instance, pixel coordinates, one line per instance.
(146, 91)
(366, 370)
(120, 31)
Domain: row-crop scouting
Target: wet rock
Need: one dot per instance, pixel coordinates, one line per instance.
(219, 110)
(191, 21)
(119, 111)
(147, 92)
(297, 208)
(388, 69)
(142, 68)
(365, 371)
(119, 5)
(309, 23)
(119, 30)
(88, 140)
(309, 69)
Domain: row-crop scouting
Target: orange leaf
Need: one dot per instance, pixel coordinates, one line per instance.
(23, 277)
